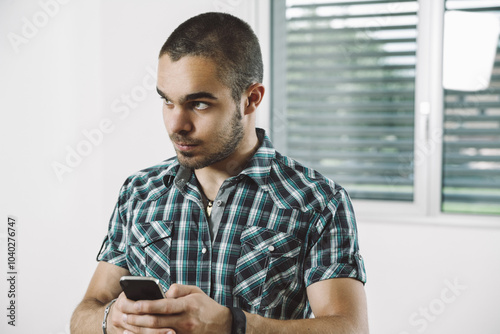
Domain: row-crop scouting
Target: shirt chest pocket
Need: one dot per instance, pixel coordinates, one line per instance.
(148, 251)
(267, 266)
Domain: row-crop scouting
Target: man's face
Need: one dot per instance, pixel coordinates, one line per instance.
(201, 118)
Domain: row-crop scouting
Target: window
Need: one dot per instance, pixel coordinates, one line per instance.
(347, 101)
(471, 147)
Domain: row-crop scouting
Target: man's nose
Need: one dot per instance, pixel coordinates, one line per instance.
(178, 120)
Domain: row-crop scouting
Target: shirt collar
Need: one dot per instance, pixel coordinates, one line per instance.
(257, 168)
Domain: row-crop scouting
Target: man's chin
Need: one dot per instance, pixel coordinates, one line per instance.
(182, 155)
(188, 161)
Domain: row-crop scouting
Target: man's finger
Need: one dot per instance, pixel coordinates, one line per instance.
(179, 290)
(116, 316)
(164, 322)
(165, 306)
(125, 305)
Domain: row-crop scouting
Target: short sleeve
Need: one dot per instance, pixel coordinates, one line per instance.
(335, 250)
(114, 244)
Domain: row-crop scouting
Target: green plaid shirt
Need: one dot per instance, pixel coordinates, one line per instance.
(284, 227)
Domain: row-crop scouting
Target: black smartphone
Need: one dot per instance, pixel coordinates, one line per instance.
(141, 288)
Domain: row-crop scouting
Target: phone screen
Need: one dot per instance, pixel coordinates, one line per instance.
(141, 288)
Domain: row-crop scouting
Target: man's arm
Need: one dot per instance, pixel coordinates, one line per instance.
(339, 306)
(104, 287)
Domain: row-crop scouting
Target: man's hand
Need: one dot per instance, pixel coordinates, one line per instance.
(339, 305)
(186, 309)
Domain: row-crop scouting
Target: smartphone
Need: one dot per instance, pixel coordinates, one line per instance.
(141, 287)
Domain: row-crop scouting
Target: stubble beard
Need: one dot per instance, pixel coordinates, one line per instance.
(226, 141)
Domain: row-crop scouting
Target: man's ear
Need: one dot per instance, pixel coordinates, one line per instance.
(254, 94)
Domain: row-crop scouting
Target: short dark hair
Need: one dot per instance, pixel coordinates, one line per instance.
(227, 40)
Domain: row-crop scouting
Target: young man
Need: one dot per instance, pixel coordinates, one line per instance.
(241, 237)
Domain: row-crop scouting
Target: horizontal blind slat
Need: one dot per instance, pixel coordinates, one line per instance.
(475, 198)
(292, 46)
(372, 15)
(352, 29)
(332, 55)
(346, 3)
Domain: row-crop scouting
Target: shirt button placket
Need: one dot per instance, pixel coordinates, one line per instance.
(205, 269)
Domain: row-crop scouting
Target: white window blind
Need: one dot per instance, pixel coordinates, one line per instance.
(343, 91)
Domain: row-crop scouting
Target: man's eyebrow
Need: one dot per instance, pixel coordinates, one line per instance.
(190, 97)
(199, 95)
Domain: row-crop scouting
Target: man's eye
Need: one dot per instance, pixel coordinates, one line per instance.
(167, 102)
(200, 105)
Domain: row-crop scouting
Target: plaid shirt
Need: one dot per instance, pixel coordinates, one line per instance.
(283, 228)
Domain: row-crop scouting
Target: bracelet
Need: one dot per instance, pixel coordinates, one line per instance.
(106, 312)
(239, 324)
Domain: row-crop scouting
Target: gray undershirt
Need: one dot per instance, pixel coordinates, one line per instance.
(220, 202)
(228, 187)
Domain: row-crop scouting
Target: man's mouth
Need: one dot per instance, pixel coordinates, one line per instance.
(184, 144)
(184, 147)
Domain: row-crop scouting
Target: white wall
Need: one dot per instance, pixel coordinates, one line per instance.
(88, 65)
(70, 68)
(431, 279)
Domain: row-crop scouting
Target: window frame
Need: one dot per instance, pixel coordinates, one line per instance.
(426, 207)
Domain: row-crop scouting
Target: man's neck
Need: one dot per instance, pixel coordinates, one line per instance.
(211, 177)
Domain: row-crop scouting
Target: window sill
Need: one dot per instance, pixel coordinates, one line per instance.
(412, 213)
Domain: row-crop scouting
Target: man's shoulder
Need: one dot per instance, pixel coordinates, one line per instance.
(298, 185)
(162, 168)
(149, 182)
